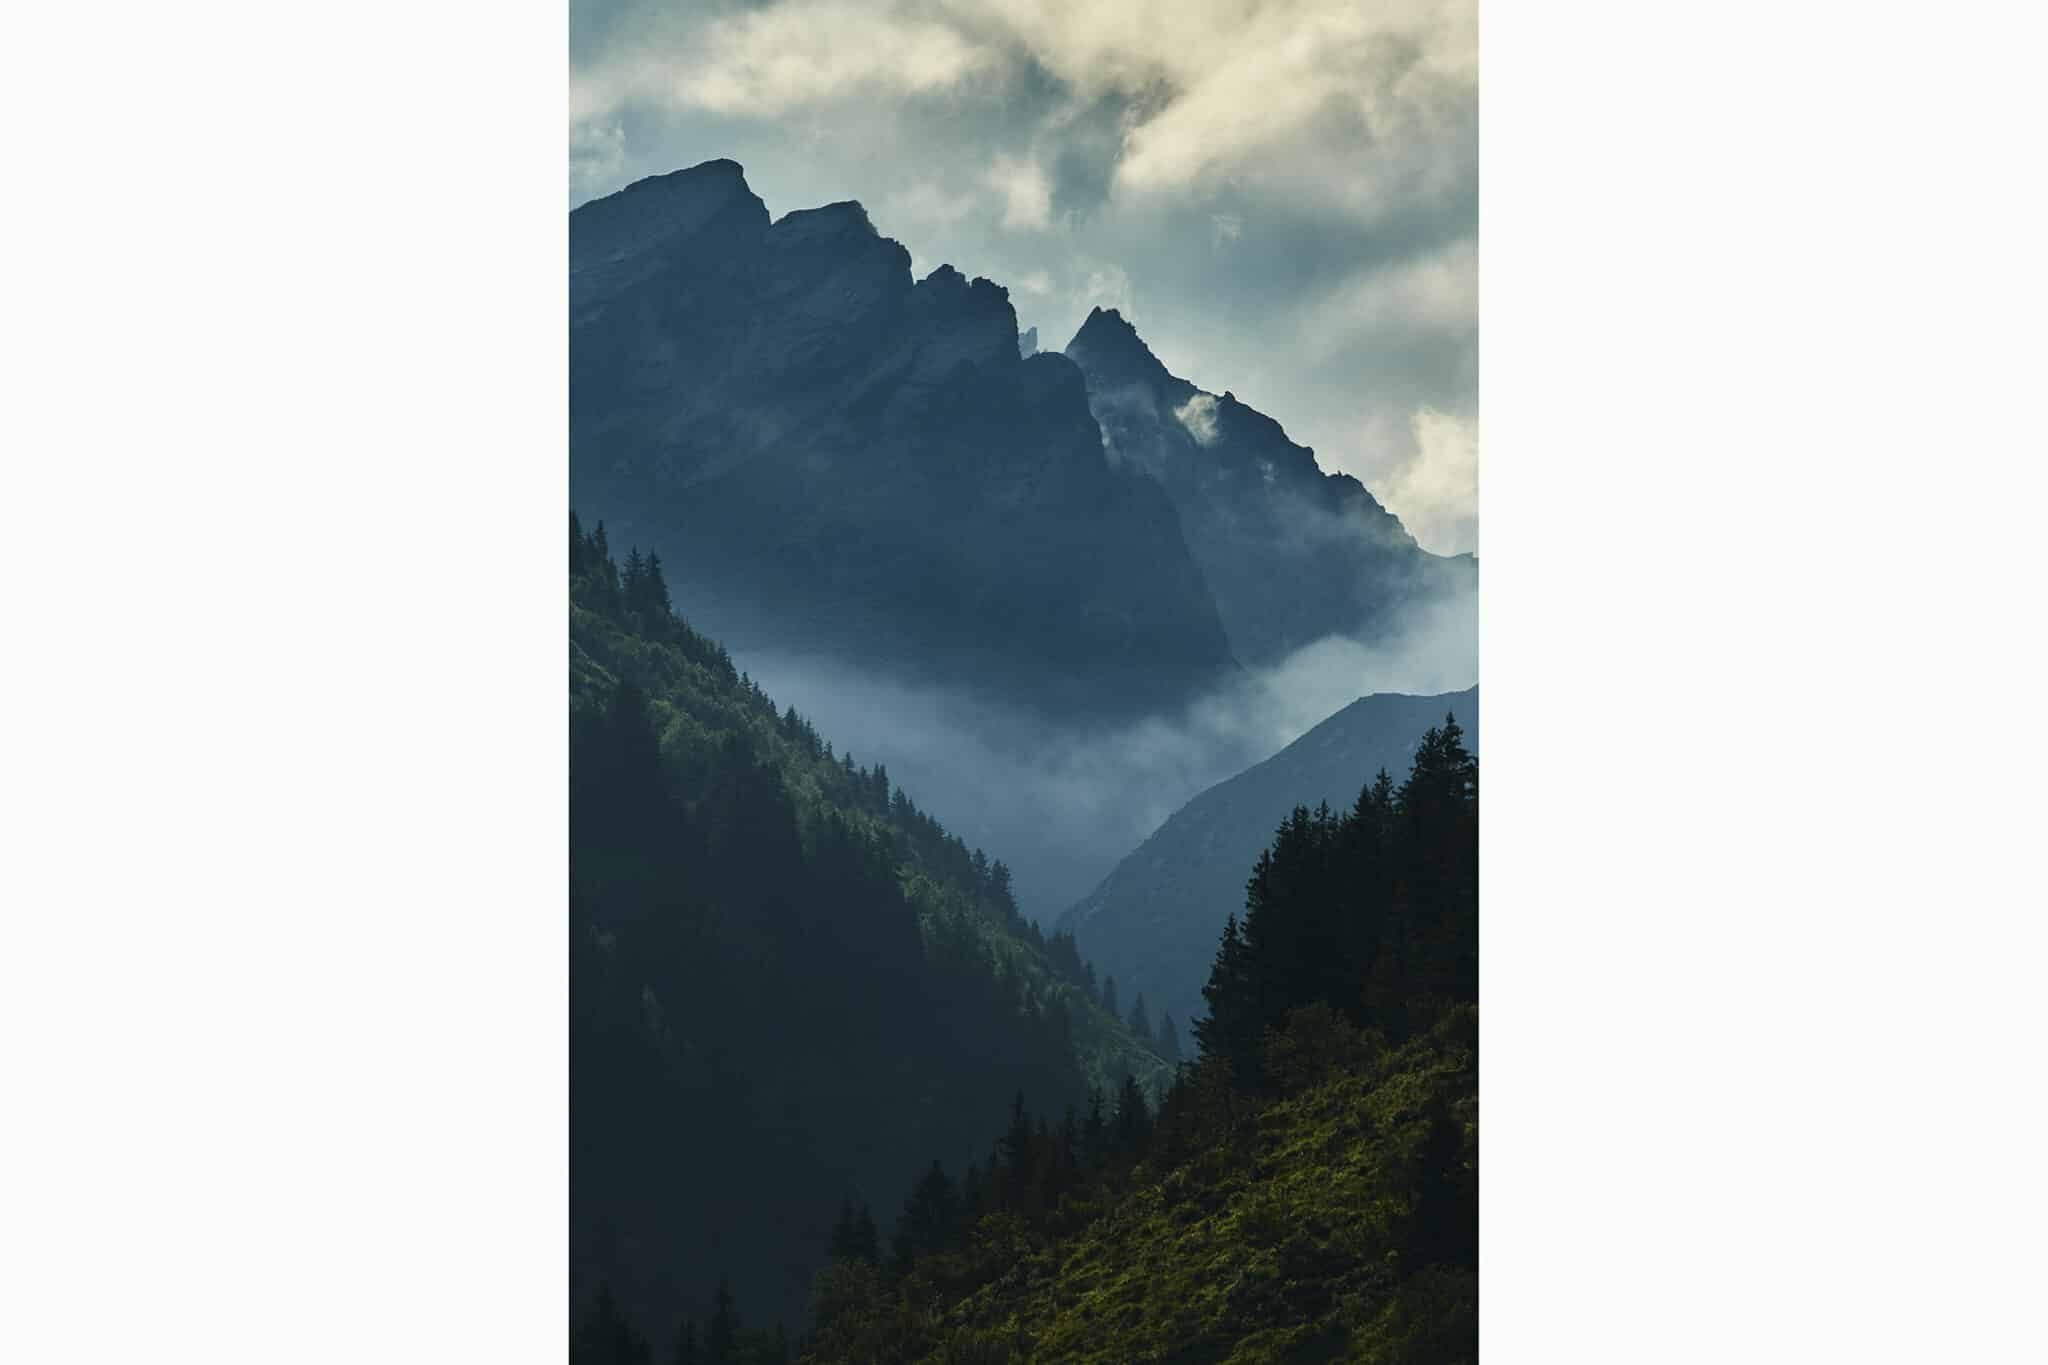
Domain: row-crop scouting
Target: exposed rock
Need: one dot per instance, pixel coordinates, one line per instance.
(832, 458)
(1292, 554)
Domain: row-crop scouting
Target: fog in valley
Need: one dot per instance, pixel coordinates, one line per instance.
(1063, 804)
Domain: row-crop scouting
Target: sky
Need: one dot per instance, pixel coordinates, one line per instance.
(1281, 195)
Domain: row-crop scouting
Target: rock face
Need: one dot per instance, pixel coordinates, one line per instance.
(1292, 554)
(832, 458)
(1154, 922)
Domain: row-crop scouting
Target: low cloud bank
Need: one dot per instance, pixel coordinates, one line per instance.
(1063, 805)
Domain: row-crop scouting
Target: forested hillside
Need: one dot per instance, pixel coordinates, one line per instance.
(791, 989)
(1153, 922)
(1309, 1189)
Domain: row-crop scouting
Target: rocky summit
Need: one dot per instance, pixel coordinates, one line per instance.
(1292, 554)
(834, 458)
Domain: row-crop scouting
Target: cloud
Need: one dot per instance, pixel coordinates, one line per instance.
(597, 152)
(1280, 194)
(777, 58)
(925, 203)
(1390, 304)
(1073, 801)
(1198, 415)
(1105, 286)
(1026, 194)
(1428, 475)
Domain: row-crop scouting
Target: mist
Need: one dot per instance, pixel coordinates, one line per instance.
(1063, 804)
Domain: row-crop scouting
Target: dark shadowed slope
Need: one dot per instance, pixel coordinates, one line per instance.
(789, 986)
(1154, 921)
(1292, 554)
(835, 459)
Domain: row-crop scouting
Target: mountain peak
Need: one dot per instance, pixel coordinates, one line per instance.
(845, 218)
(1109, 350)
(1107, 327)
(706, 182)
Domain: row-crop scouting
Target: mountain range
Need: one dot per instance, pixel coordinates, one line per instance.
(1059, 593)
(835, 459)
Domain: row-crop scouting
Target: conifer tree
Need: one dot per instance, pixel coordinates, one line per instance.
(1133, 1120)
(1140, 1023)
(1016, 1151)
(1229, 1030)
(866, 1243)
(1169, 1039)
(603, 1336)
(929, 1219)
(1109, 996)
(630, 585)
(654, 588)
(1095, 1131)
(721, 1338)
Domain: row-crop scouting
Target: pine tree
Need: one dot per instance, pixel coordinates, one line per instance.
(603, 1336)
(1095, 1131)
(929, 1220)
(866, 1242)
(1109, 996)
(1016, 1146)
(1227, 1030)
(654, 589)
(722, 1336)
(630, 585)
(1141, 1024)
(853, 1236)
(1133, 1120)
(1169, 1039)
(686, 1352)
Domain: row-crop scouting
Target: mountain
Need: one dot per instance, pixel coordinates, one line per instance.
(791, 990)
(1307, 1190)
(1291, 554)
(1153, 922)
(837, 460)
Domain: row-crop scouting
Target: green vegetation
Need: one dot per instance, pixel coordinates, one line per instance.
(1308, 1189)
(789, 986)
(1337, 1220)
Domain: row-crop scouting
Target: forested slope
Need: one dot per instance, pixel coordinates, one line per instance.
(1308, 1191)
(791, 990)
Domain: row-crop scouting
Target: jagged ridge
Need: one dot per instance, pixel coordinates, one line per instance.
(840, 459)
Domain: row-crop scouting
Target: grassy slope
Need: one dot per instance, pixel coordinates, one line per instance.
(1285, 1244)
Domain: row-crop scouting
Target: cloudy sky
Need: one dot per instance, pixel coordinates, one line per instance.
(1282, 195)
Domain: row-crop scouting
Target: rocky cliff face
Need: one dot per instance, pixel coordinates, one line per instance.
(1292, 554)
(833, 458)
